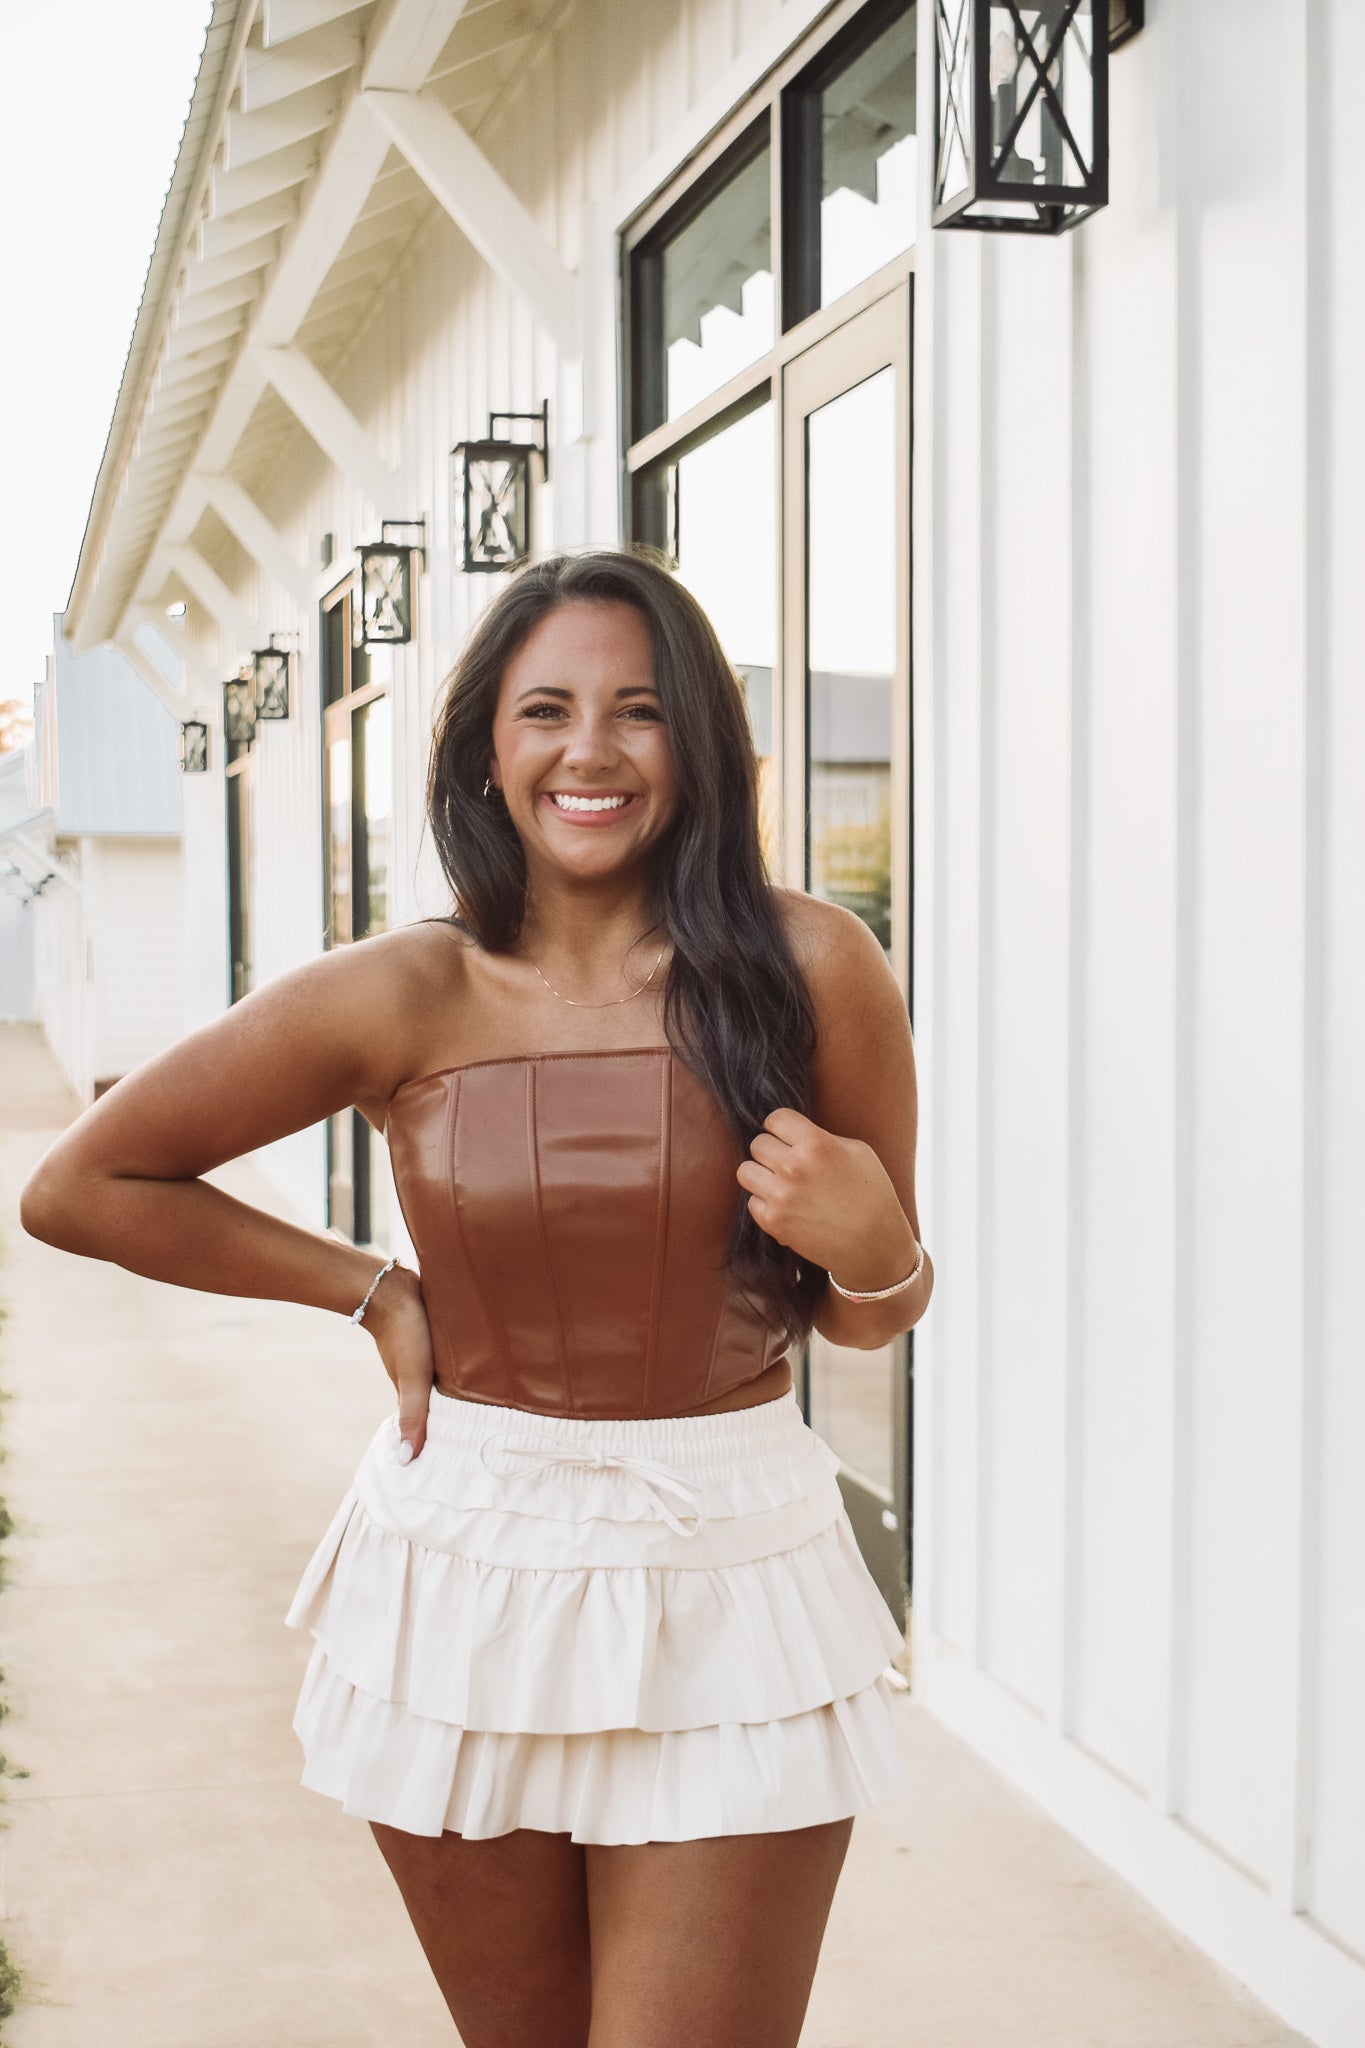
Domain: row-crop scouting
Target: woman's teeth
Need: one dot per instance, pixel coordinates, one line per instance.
(588, 803)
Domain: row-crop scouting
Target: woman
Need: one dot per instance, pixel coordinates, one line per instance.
(595, 1653)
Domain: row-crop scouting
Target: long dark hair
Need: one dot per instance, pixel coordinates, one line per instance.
(736, 1010)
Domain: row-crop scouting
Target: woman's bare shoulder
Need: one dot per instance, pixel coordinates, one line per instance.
(816, 931)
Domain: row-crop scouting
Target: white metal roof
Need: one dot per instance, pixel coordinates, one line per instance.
(289, 206)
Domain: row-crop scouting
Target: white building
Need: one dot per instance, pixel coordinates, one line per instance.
(96, 861)
(23, 866)
(1094, 774)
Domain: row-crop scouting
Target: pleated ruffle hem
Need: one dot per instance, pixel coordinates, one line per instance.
(626, 1630)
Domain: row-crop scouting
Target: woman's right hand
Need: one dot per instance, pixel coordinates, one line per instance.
(397, 1320)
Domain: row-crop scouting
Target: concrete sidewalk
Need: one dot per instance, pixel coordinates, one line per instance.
(172, 1460)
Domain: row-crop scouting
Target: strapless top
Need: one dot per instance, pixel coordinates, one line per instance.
(570, 1211)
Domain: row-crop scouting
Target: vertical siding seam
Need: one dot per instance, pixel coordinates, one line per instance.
(1315, 193)
(542, 1239)
(660, 1225)
(1169, 1787)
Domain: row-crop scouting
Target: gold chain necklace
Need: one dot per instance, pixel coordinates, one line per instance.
(577, 1005)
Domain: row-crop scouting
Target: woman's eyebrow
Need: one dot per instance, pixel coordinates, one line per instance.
(556, 690)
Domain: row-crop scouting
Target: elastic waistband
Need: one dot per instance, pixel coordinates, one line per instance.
(728, 1436)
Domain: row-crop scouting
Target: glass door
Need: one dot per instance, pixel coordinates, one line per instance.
(846, 705)
(357, 783)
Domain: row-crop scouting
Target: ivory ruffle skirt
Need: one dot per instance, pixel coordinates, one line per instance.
(627, 1630)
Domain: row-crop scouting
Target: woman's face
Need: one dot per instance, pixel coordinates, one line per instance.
(579, 717)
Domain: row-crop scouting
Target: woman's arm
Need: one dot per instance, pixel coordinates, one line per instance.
(841, 1183)
(123, 1182)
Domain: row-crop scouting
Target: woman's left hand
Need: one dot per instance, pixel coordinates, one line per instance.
(829, 1199)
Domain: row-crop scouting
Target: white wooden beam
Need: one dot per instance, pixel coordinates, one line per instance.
(328, 419)
(282, 20)
(458, 175)
(231, 191)
(209, 588)
(274, 74)
(268, 216)
(249, 137)
(212, 272)
(334, 203)
(47, 863)
(492, 30)
(405, 40)
(159, 685)
(244, 517)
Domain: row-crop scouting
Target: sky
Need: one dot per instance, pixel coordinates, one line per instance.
(96, 97)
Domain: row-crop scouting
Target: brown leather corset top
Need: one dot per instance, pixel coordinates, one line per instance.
(569, 1211)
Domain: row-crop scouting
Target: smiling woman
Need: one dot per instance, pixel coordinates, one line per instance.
(591, 1628)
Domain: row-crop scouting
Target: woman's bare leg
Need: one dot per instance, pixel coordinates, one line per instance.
(712, 1941)
(504, 1925)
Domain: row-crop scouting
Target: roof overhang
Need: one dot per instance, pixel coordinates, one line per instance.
(319, 136)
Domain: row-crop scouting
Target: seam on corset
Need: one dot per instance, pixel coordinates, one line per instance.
(471, 1265)
(538, 1202)
(660, 1229)
(516, 1059)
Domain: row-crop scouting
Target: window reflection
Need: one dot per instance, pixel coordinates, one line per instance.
(732, 571)
(339, 838)
(851, 649)
(704, 304)
(374, 739)
(850, 129)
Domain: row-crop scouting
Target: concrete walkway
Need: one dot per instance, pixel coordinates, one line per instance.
(172, 1460)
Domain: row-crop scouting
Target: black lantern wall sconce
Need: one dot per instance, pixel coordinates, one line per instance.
(1022, 111)
(239, 712)
(490, 483)
(271, 667)
(194, 746)
(385, 613)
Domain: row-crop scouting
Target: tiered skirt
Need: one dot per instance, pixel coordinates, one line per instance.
(626, 1630)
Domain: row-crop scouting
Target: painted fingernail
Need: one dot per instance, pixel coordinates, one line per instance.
(405, 1453)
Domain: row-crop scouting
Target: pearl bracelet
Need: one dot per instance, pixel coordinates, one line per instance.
(358, 1316)
(880, 1293)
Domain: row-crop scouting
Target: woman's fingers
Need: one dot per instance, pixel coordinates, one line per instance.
(414, 1395)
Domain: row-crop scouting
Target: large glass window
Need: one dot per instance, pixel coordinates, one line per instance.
(703, 288)
(851, 648)
(850, 127)
(696, 497)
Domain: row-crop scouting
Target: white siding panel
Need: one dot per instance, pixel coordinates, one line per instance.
(1247, 879)
(16, 959)
(1125, 874)
(1025, 807)
(1337, 823)
(136, 916)
(955, 1081)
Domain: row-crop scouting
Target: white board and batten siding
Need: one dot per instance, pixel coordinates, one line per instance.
(1140, 994)
(1140, 1560)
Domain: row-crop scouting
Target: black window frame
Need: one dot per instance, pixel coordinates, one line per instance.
(775, 111)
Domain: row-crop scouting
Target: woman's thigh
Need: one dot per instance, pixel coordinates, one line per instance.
(504, 1925)
(711, 1941)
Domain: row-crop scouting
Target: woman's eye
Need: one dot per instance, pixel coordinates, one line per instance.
(646, 710)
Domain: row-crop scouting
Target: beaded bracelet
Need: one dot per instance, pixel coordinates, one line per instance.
(880, 1293)
(359, 1314)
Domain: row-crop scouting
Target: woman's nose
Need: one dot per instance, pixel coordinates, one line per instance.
(588, 739)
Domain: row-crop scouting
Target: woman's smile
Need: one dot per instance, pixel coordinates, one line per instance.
(590, 809)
